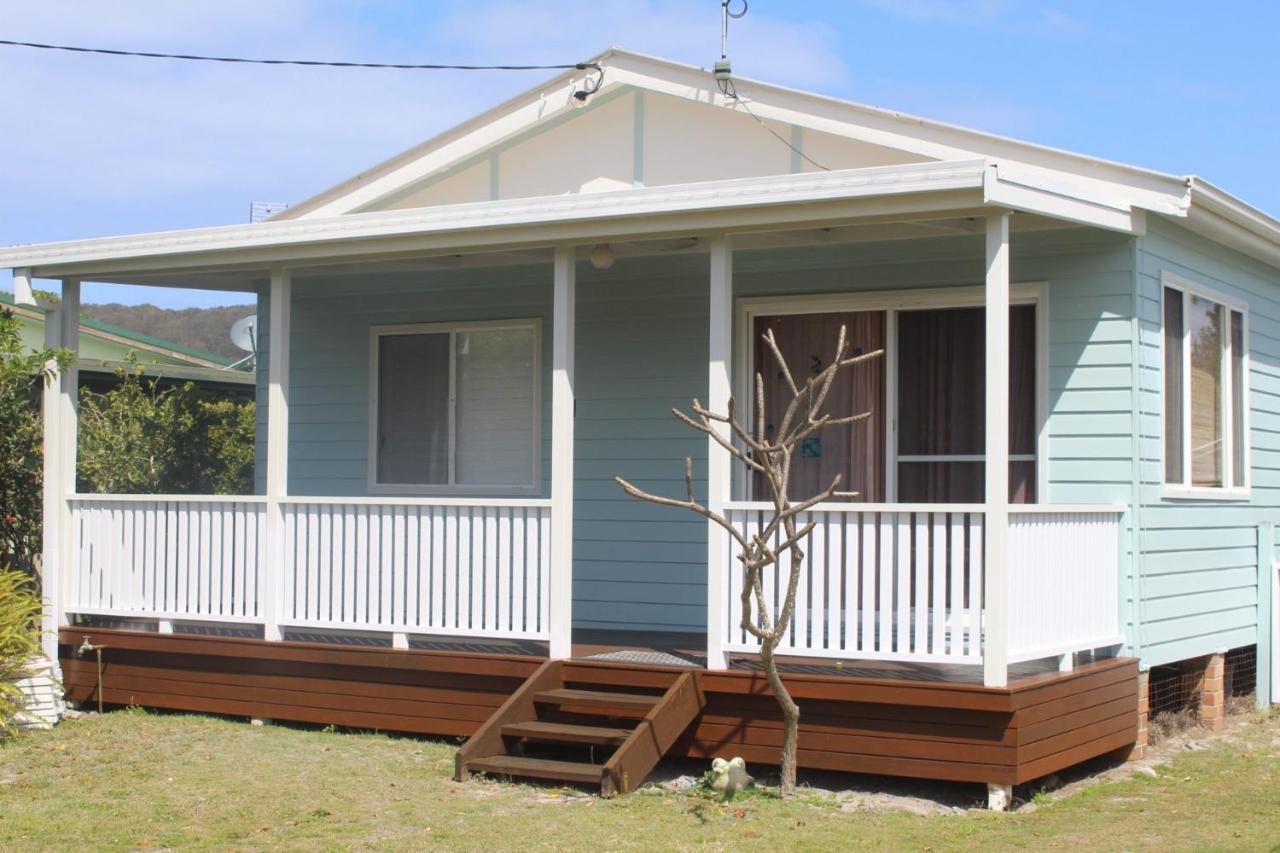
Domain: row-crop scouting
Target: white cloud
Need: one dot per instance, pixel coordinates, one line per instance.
(191, 143)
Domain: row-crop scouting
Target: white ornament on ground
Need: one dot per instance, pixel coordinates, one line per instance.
(729, 777)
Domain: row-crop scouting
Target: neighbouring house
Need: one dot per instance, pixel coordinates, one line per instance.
(1068, 485)
(105, 349)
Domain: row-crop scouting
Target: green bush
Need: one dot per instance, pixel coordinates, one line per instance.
(137, 438)
(19, 640)
(22, 375)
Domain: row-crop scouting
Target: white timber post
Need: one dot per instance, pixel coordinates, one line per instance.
(562, 416)
(69, 426)
(23, 294)
(1264, 665)
(995, 648)
(51, 527)
(281, 304)
(719, 462)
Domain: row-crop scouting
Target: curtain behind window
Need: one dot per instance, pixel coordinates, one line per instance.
(942, 403)
(856, 451)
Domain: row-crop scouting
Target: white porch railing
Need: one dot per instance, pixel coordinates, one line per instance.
(465, 567)
(1064, 580)
(905, 582)
(462, 567)
(167, 557)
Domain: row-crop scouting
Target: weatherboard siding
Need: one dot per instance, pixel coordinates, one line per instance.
(642, 349)
(1199, 567)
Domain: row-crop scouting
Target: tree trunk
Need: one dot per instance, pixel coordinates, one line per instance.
(790, 719)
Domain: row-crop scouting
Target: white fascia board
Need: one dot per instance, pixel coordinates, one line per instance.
(1049, 194)
(1156, 191)
(568, 217)
(465, 140)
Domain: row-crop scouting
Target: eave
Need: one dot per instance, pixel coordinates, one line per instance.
(744, 205)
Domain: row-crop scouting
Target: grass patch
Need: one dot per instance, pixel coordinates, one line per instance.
(144, 781)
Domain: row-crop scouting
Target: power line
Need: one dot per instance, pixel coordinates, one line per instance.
(581, 66)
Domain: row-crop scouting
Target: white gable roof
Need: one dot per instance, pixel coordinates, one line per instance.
(659, 151)
(658, 123)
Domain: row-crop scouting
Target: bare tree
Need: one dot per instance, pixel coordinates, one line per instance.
(770, 458)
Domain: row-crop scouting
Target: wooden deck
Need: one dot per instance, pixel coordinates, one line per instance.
(885, 718)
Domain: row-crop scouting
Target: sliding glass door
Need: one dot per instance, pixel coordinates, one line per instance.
(935, 357)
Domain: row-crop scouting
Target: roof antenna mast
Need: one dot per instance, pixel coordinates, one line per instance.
(722, 64)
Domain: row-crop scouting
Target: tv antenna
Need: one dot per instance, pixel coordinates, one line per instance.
(722, 64)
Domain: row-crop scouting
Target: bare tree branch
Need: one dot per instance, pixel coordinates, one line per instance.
(780, 534)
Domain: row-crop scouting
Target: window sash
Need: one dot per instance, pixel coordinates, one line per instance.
(453, 483)
(1231, 407)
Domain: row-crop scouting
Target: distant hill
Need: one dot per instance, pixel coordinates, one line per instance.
(205, 329)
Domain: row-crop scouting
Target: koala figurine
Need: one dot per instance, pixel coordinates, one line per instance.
(729, 777)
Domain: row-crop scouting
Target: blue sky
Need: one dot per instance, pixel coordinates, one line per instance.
(95, 146)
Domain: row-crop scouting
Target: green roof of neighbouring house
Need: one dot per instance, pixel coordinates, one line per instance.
(104, 347)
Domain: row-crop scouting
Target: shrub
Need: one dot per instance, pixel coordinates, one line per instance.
(138, 438)
(22, 374)
(19, 640)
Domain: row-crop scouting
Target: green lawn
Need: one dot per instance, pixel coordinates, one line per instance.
(130, 780)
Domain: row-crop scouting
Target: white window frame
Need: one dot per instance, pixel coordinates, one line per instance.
(1034, 293)
(533, 487)
(1230, 490)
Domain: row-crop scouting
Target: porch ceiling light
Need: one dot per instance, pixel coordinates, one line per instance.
(602, 256)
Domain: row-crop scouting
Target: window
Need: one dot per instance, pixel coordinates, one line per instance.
(925, 440)
(942, 405)
(456, 408)
(1205, 366)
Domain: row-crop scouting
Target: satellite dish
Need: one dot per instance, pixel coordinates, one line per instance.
(244, 333)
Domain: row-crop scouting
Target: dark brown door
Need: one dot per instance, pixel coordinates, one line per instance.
(855, 451)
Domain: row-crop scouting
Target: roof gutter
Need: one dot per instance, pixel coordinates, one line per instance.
(1226, 219)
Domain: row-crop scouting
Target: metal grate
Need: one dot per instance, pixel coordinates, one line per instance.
(1173, 688)
(1241, 676)
(644, 657)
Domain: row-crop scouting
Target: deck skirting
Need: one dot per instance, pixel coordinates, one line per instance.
(933, 730)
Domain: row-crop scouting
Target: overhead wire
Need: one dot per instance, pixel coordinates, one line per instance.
(310, 62)
(319, 63)
(730, 91)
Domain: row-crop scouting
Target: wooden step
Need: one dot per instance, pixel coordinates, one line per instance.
(635, 750)
(566, 733)
(597, 699)
(537, 768)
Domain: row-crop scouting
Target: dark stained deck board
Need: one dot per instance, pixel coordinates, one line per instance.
(1041, 723)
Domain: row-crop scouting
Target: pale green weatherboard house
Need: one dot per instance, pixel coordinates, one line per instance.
(1067, 483)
